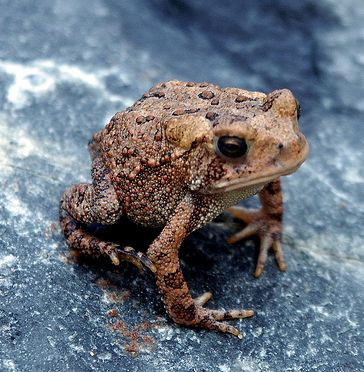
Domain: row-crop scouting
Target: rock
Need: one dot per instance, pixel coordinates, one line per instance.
(65, 68)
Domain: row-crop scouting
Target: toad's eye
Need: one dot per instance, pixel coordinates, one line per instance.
(231, 147)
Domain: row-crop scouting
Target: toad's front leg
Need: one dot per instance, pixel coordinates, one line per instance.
(177, 299)
(266, 223)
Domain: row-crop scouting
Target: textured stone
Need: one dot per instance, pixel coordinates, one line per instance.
(65, 68)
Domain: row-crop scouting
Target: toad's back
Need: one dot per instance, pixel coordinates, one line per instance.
(136, 138)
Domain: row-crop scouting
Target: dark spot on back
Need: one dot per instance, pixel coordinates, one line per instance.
(211, 115)
(241, 98)
(268, 102)
(140, 119)
(206, 94)
(192, 110)
(158, 94)
(179, 112)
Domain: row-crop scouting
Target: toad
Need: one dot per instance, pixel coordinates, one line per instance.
(177, 158)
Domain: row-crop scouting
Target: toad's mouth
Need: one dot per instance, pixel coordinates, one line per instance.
(260, 181)
(242, 184)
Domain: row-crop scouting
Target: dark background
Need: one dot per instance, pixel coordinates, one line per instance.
(65, 68)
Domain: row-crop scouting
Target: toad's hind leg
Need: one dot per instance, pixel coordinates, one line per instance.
(95, 203)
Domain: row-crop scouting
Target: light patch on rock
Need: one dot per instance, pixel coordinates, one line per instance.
(14, 144)
(354, 175)
(79, 349)
(15, 205)
(105, 356)
(7, 261)
(165, 333)
(28, 80)
(17, 144)
(320, 247)
(324, 312)
(338, 196)
(106, 298)
(9, 365)
(245, 364)
(41, 77)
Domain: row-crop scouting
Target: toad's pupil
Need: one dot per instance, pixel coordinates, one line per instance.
(232, 147)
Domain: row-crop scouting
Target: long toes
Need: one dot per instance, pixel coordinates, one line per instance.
(227, 328)
(278, 254)
(241, 213)
(130, 254)
(146, 262)
(114, 258)
(210, 319)
(263, 255)
(203, 299)
(211, 323)
(249, 230)
(231, 314)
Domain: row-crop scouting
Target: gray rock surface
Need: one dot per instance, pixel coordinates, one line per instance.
(65, 68)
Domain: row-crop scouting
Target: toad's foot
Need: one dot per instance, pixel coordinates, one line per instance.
(127, 253)
(210, 319)
(81, 242)
(267, 227)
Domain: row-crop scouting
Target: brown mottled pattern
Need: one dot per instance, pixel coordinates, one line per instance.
(160, 163)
